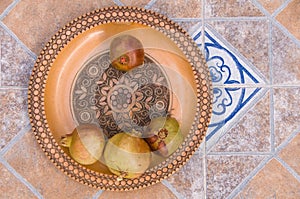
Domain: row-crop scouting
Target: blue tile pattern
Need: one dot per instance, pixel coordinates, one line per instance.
(236, 84)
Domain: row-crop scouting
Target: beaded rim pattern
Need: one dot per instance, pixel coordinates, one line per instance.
(37, 84)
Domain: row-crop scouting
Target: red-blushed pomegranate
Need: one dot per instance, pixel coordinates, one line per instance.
(164, 135)
(126, 52)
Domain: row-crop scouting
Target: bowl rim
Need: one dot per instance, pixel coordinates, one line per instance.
(121, 14)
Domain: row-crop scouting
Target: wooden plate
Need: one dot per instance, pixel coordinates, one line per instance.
(72, 75)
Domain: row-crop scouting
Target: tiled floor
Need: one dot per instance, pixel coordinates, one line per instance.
(252, 49)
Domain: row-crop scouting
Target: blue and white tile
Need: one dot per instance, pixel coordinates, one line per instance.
(237, 84)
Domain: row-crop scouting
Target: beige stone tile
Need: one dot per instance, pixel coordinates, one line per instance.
(224, 173)
(11, 187)
(16, 63)
(252, 133)
(4, 4)
(154, 191)
(28, 159)
(188, 181)
(286, 113)
(273, 181)
(271, 5)
(13, 114)
(178, 8)
(286, 59)
(231, 8)
(187, 25)
(35, 22)
(139, 3)
(290, 154)
(290, 18)
(250, 38)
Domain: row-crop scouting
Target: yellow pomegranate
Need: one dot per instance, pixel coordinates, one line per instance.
(127, 156)
(86, 143)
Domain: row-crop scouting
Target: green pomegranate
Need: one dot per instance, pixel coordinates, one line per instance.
(164, 135)
(126, 52)
(86, 143)
(127, 156)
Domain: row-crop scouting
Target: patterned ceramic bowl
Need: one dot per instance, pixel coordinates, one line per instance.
(73, 83)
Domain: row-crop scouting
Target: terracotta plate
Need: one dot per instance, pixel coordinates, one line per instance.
(73, 82)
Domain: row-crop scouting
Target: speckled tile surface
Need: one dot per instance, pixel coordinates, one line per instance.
(254, 35)
(225, 173)
(273, 181)
(178, 8)
(187, 25)
(155, 191)
(252, 48)
(289, 19)
(286, 58)
(11, 187)
(45, 18)
(286, 113)
(232, 8)
(27, 158)
(191, 178)
(271, 5)
(290, 154)
(251, 133)
(4, 4)
(13, 114)
(138, 3)
(16, 63)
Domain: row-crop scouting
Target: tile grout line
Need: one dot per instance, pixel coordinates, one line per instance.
(244, 183)
(11, 87)
(119, 3)
(287, 141)
(288, 168)
(98, 194)
(23, 46)
(272, 120)
(185, 19)
(273, 20)
(20, 178)
(286, 32)
(150, 4)
(242, 153)
(280, 8)
(271, 74)
(260, 7)
(204, 167)
(281, 147)
(253, 85)
(0, 64)
(15, 139)
(167, 184)
(270, 51)
(203, 27)
(248, 178)
(8, 9)
(238, 19)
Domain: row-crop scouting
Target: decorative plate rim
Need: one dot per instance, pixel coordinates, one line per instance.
(37, 84)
